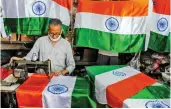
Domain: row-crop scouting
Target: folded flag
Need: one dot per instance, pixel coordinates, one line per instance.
(112, 87)
(118, 26)
(60, 92)
(154, 96)
(31, 17)
(160, 26)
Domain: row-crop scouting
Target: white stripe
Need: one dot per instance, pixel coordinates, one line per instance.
(10, 8)
(142, 103)
(60, 12)
(63, 100)
(108, 78)
(127, 25)
(2, 29)
(157, 84)
(29, 10)
(154, 20)
(24, 10)
(150, 9)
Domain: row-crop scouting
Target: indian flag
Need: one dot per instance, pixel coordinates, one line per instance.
(31, 17)
(160, 26)
(115, 86)
(154, 96)
(118, 26)
(60, 92)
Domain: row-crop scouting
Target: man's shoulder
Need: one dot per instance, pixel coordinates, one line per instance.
(65, 42)
(42, 38)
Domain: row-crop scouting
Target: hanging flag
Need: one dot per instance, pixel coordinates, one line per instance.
(60, 92)
(160, 26)
(31, 17)
(118, 26)
(115, 84)
(154, 96)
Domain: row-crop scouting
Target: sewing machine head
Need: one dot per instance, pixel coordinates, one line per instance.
(23, 67)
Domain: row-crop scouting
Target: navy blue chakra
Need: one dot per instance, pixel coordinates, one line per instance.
(112, 24)
(39, 8)
(57, 89)
(118, 73)
(162, 24)
(156, 104)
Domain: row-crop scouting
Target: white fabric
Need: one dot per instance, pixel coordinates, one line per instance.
(154, 21)
(157, 84)
(107, 53)
(23, 9)
(108, 78)
(127, 25)
(150, 9)
(142, 103)
(2, 29)
(50, 100)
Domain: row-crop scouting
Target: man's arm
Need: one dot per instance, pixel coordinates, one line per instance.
(70, 60)
(35, 50)
(70, 63)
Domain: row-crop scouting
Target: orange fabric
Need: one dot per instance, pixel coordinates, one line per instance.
(161, 7)
(64, 3)
(118, 92)
(29, 94)
(115, 8)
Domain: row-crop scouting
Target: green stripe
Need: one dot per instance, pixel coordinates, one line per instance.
(108, 41)
(153, 92)
(81, 94)
(96, 70)
(159, 43)
(29, 26)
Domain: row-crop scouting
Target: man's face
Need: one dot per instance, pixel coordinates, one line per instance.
(54, 31)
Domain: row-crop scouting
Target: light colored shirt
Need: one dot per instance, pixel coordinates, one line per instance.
(107, 53)
(60, 54)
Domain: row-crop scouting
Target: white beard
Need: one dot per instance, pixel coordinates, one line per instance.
(55, 40)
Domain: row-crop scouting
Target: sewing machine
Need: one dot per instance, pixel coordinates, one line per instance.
(21, 68)
(21, 71)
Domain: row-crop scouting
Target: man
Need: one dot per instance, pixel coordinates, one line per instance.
(54, 48)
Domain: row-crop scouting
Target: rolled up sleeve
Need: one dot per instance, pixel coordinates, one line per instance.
(70, 60)
(35, 50)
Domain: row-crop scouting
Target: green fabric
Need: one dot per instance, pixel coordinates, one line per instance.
(153, 92)
(92, 71)
(159, 43)
(29, 26)
(108, 41)
(81, 94)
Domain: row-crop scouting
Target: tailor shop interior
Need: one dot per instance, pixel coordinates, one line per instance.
(85, 54)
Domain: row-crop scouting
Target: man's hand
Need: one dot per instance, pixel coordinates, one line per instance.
(16, 59)
(62, 72)
(58, 73)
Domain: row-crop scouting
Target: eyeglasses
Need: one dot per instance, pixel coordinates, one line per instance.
(54, 35)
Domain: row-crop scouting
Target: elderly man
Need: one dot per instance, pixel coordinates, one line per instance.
(54, 48)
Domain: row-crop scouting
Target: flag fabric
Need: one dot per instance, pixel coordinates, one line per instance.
(31, 17)
(5, 72)
(115, 85)
(118, 26)
(60, 92)
(154, 96)
(160, 26)
(2, 29)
